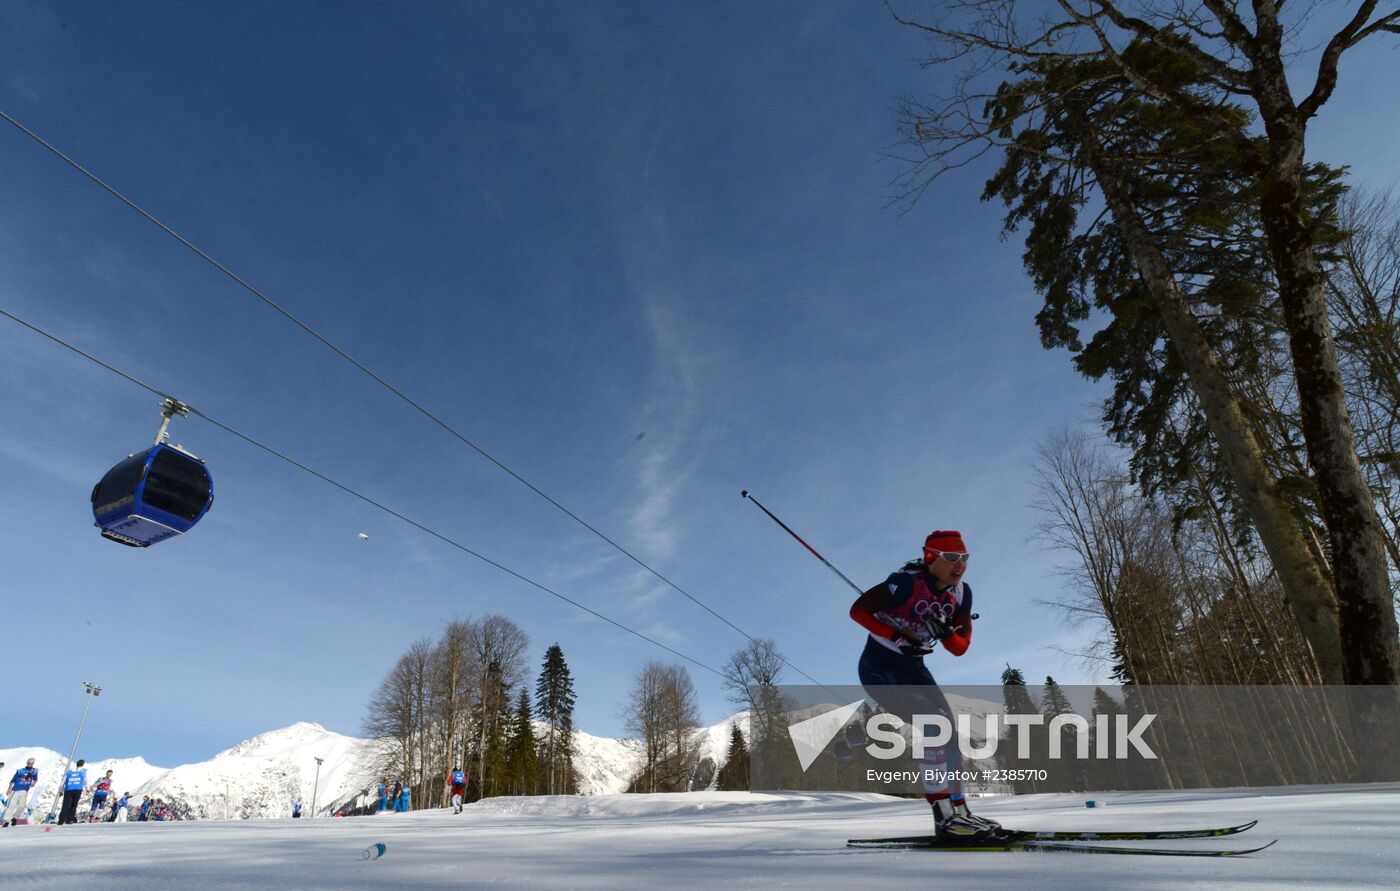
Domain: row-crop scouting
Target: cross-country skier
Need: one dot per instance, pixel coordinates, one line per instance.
(458, 781)
(100, 790)
(912, 612)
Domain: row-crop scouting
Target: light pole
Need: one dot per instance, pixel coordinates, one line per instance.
(92, 690)
(316, 786)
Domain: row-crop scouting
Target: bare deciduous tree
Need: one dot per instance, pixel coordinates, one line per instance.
(662, 712)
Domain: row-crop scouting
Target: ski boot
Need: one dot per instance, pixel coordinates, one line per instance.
(992, 826)
(955, 825)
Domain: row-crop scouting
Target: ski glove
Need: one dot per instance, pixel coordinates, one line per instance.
(909, 647)
(938, 626)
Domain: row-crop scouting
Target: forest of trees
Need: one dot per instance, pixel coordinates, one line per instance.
(463, 701)
(1244, 306)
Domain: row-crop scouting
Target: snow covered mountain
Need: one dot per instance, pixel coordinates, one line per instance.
(261, 777)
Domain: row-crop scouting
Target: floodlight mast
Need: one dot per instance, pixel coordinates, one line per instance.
(92, 690)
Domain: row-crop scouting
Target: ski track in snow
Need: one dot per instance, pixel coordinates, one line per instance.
(1343, 837)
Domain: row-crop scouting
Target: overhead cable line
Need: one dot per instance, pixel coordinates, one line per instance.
(247, 286)
(360, 495)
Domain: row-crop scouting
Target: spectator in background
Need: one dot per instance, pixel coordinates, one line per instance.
(119, 809)
(20, 784)
(383, 795)
(144, 813)
(74, 782)
(396, 796)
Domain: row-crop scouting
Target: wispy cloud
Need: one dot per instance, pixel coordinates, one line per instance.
(668, 419)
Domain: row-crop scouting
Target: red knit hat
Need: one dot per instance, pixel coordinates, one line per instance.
(943, 540)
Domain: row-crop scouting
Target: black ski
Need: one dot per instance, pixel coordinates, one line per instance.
(1083, 848)
(919, 841)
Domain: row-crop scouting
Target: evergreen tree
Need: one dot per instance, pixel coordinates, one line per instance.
(734, 775)
(493, 720)
(554, 705)
(1018, 701)
(522, 766)
(1108, 773)
(564, 757)
(1066, 773)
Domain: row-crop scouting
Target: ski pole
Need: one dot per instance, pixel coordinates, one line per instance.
(825, 562)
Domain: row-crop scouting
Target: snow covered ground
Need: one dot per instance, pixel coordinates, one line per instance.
(1345, 837)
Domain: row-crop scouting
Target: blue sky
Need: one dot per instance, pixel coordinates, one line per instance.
(640, 252)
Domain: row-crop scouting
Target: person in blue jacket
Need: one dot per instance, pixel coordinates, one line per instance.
(296, 810)
(384, 795)
(74, 782)
(119, 809)
(100, 790)
(144, 813)
(20, 784)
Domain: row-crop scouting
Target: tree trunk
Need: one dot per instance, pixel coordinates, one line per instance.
(1309, 593)
(1366, 611)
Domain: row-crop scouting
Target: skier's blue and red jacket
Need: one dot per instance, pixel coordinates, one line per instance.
(103, 786)
(24, 779)
(900, 607)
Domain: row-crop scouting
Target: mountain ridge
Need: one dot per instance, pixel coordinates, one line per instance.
(260, 777)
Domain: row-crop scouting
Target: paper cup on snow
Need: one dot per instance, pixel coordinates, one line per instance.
(373, 852)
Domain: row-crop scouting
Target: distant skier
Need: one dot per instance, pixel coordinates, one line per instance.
(916, 609)
(74, 782)
(20, 784)
(383, 795)
(296, 810)
(100, 790)
(458, 781)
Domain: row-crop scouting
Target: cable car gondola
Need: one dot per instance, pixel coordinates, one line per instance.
(153, 495)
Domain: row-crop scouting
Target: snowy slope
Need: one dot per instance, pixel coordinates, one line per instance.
(261, 777)
(1328, 838)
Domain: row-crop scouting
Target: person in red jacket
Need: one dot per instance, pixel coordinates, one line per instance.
(923, 606)
(457, 780)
